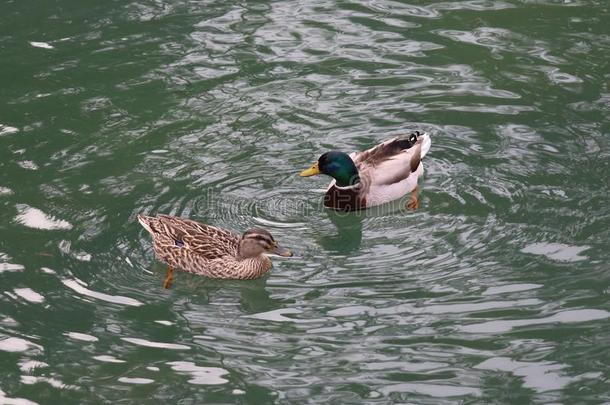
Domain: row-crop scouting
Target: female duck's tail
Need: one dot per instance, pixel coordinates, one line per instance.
(146, 221)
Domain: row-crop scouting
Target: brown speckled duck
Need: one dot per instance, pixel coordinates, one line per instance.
(210, 251)
(375, 176)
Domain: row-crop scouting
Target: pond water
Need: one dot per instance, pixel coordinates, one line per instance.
(494, 290)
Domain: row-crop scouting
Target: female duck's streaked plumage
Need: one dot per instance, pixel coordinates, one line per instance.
(210, 251)
(376, 176)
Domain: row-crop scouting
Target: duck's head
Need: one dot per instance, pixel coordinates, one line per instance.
(337, 165)
(255, 242)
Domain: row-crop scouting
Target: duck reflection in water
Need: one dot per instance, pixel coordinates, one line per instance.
(348, 236)
(254, 295)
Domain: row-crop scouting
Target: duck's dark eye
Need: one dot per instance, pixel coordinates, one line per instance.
(413, 138)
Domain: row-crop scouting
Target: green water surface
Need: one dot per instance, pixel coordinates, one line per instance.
(494, 291)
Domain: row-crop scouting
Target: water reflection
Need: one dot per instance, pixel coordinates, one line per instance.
(256, 297)
(136, 380)
(200, 375)
(569, 316)
(346, 237)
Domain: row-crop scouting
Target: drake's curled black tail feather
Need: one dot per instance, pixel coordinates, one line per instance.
(407, 142)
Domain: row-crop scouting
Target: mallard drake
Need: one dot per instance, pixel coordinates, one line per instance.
(376, 176)
(210, 251)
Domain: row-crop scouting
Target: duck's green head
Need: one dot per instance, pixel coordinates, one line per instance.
(337, 165)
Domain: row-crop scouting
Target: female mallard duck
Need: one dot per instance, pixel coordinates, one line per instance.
(208, 250)
(376, 176)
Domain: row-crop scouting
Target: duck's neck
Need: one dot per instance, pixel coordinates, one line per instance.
(347, 175)
(254, 267)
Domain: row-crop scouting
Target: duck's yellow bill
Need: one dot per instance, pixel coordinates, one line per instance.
(312, 171)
